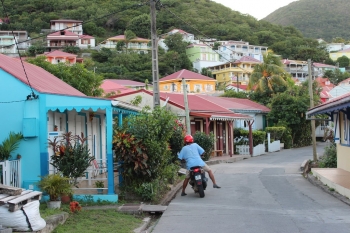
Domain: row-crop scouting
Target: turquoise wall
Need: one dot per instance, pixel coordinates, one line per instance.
(11, 119)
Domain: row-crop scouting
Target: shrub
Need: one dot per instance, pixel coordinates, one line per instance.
(9, 145)
(329, 159)
(206, 142)
(176, 141)
(275, 132)
(259, 137)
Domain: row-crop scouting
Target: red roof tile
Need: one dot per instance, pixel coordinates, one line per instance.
(39, 79)
(188, 75)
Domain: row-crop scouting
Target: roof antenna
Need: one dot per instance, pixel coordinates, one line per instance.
(31, 95)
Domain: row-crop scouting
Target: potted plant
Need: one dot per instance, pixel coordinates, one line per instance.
(99, 185)
(55, 185)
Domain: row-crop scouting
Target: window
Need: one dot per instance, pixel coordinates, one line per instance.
(197, 87)
(166, 87)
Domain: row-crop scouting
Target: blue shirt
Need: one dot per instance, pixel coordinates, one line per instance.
(192, 154)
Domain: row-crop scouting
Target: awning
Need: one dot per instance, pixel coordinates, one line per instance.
(341, 102)
(224, 116)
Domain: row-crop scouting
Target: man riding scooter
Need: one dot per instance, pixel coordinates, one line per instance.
(192, 153)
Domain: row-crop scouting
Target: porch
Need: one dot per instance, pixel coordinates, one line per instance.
(335, 178)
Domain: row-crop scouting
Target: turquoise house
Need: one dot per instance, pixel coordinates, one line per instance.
(40, 105)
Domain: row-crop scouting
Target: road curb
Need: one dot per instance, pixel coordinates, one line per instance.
(144, 225)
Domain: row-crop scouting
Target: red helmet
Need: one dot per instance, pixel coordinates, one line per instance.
(188, 139)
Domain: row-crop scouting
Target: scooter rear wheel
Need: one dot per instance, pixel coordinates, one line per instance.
(201, 191)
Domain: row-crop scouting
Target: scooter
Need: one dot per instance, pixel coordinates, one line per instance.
(198, 181)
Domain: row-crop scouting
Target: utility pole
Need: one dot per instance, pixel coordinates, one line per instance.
(313, 135)
(155, 72)
(187, 112)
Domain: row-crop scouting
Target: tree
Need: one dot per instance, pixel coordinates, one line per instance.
(336, 76)
(75, 75)
(207, 72)
(175, 43)
(235, 94)
(267, 74)
(343, 61)
(141, 24)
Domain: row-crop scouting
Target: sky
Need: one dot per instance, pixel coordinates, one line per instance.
(256, 8)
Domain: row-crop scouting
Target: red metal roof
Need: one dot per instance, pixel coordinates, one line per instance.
(39, 79)
(125, 82)
(248, 59)
(188, 75)
(236, 103)
(122, 37)
(58, 53)
(321, 65)
(109, 86)
(86, 37)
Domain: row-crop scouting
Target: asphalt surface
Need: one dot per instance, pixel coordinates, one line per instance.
(262, 194)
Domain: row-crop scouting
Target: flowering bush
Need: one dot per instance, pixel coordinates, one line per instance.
(71, 155)
(74, 207)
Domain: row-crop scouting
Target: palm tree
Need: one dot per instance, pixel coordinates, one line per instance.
(128, 35)
(268, 74)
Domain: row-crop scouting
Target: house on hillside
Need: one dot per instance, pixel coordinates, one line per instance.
(202, 56)
(42, 106)
(326, 86)
(235, 50)
(345, 52)
(8, 41)
(338, 110)
(138, 45)
(67, 32)
(196, 83)
(205, 116)
(187, 37)
(64, 38)
(235, 72)
(58, 56)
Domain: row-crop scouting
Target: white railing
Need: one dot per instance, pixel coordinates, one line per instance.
(11, 173)
(257, 150)
(242, 149)
(273, 146)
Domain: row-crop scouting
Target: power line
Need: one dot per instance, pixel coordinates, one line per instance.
(32, 94)
(91, 20)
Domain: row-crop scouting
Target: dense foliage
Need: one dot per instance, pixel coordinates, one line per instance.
(75, 75)
(142, 148)
(206, 142)
(9, 145)
(329, 159)
(315, 18)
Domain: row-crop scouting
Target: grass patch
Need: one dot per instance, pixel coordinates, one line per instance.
(91, 221)
(45, 212)
(331, 189)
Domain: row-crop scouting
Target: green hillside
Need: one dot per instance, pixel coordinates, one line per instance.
(104, 18)
(325, 19)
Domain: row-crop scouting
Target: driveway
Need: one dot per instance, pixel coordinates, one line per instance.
(262, 194)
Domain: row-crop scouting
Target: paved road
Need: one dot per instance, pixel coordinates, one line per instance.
(264, 194)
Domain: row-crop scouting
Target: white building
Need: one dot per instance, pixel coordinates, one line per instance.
(8, 41)
(235, 50)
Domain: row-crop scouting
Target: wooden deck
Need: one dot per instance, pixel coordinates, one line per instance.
(335, 178)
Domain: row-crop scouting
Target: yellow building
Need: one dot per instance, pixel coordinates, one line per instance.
(336, 55)
(238, 71)
(196, 83)
(139, 45)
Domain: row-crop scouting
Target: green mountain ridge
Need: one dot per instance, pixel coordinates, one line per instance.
(204, 18)
(326, 19)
